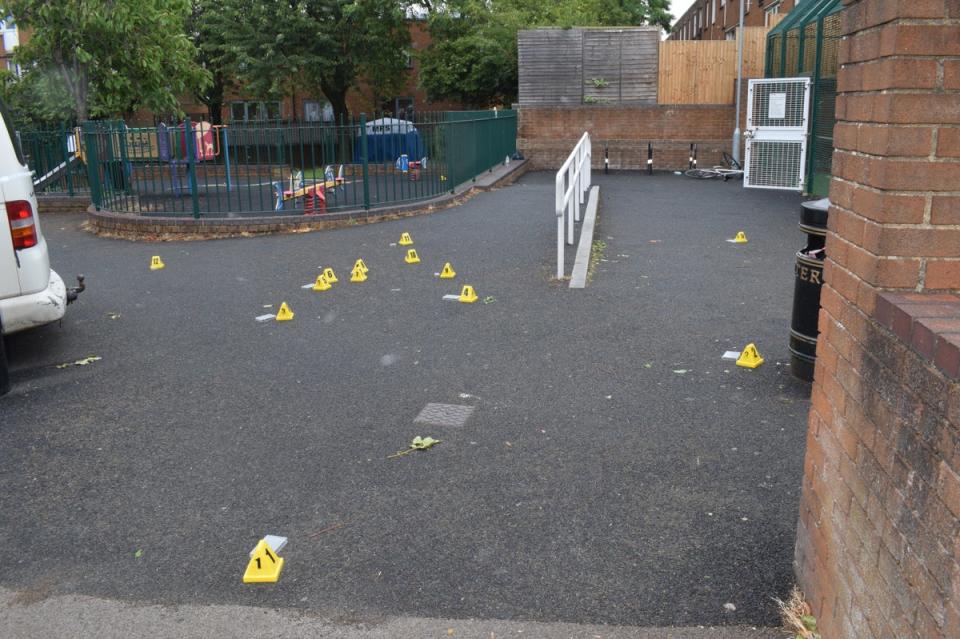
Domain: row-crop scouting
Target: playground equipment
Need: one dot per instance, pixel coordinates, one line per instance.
(314, 195)
(175, 148)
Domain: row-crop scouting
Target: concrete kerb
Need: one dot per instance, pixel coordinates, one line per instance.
(578, 279)
(132, 227)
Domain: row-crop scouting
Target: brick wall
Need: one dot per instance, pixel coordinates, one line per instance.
(547, 135)
(879, 534)
(51, 204)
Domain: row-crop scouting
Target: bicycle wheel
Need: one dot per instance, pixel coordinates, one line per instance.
(730, 161)
(702, 174)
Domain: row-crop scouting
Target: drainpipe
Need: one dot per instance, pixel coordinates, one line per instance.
(736, 130)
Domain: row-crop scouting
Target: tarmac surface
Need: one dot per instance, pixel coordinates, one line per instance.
(614, 470)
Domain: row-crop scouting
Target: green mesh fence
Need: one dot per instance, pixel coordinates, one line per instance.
(806, 43)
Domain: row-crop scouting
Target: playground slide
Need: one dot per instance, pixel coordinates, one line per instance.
(54, 173)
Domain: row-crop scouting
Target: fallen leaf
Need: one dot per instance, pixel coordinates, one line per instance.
(138, 554)
(81, 362)
(489, 299)
(648, 365)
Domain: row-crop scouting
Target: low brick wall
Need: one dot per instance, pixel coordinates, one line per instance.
(135, 227)
(877, 544)
(546, 135)
(52, 204)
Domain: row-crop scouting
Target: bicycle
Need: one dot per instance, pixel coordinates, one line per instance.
(731, 169)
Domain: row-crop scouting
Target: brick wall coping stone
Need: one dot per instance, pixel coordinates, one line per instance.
(152, 228)
(929, 323)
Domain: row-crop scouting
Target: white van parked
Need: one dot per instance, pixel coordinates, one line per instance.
(31, 293)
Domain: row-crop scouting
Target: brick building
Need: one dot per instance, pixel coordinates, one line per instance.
(718, 19)
(878, 545)
(314, 107)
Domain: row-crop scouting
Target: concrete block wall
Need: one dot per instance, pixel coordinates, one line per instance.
(878, 547)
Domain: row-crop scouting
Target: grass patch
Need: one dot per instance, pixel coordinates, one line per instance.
(797, 617)
(597, 251)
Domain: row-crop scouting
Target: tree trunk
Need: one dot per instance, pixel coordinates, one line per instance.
(338, 100)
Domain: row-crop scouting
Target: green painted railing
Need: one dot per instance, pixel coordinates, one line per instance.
(290, 168)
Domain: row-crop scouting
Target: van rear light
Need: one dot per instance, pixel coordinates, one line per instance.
(22, 225)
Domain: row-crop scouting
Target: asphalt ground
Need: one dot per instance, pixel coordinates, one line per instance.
(614, 471)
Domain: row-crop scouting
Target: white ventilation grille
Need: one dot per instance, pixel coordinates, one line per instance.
(777, 120)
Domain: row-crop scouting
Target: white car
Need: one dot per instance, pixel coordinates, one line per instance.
(31, 293)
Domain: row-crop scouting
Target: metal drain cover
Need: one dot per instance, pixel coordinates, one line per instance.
(444, 414)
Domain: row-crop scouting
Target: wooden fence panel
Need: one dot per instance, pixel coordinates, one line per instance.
(704, 71)
(550, 67)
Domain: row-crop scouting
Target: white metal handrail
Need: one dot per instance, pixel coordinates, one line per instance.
(573, 178)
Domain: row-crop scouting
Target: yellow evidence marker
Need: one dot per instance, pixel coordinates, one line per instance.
(264, 566)
(740, 238)
(412, 257)
(405, 239)
(284, 314)
(329, 276)
(322, 284)
(749, 358)
(156, 263)
(447, 273)
(468, 295)
(361, 265)
(358, 275)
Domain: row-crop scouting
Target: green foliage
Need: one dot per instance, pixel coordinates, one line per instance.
(473, 57)
(105, 57)
(280, 47)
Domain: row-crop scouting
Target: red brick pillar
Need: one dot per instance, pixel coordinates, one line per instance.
(879, 533)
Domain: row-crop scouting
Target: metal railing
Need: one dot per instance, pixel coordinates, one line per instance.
(573, 181)
(54, 157)
(290, 168)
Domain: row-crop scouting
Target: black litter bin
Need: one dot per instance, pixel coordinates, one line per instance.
(806, 291)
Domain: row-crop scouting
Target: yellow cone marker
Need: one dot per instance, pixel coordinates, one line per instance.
(156, 263)
(329, 276)
(412, 257)
(405, 239)
(322, 284)
(468, 295)
(284, 314)
(447, 273)
(361, 265)
(749, 358)
(357, 275)
(741, 238)
(264, 567)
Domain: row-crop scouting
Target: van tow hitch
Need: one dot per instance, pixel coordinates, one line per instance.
(74, 291)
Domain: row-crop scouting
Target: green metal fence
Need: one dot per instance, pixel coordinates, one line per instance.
(54, 155)
(806, 43)
(290, 168)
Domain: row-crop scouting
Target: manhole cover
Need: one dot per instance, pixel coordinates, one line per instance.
(444, 414)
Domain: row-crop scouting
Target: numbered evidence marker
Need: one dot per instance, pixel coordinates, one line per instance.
(284, 314)
(362, 266)
(264, 566)
(358, 274)
(329, 275)
(322, 284)
(405, 239)
(412, 257)
(156, 263)
(749, 357)
(447, 273)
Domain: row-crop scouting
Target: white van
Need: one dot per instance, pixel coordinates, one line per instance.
(31, 293)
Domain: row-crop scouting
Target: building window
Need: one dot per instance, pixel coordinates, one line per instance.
(401, 108)
(10, 37)
(730, 34)
(254, 110)
(314, 111)
(407, 59)
(772, 10)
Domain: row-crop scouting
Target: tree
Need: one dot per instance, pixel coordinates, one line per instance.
(207, 30)
(282, 46)
(109, 56)
(473, 54)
